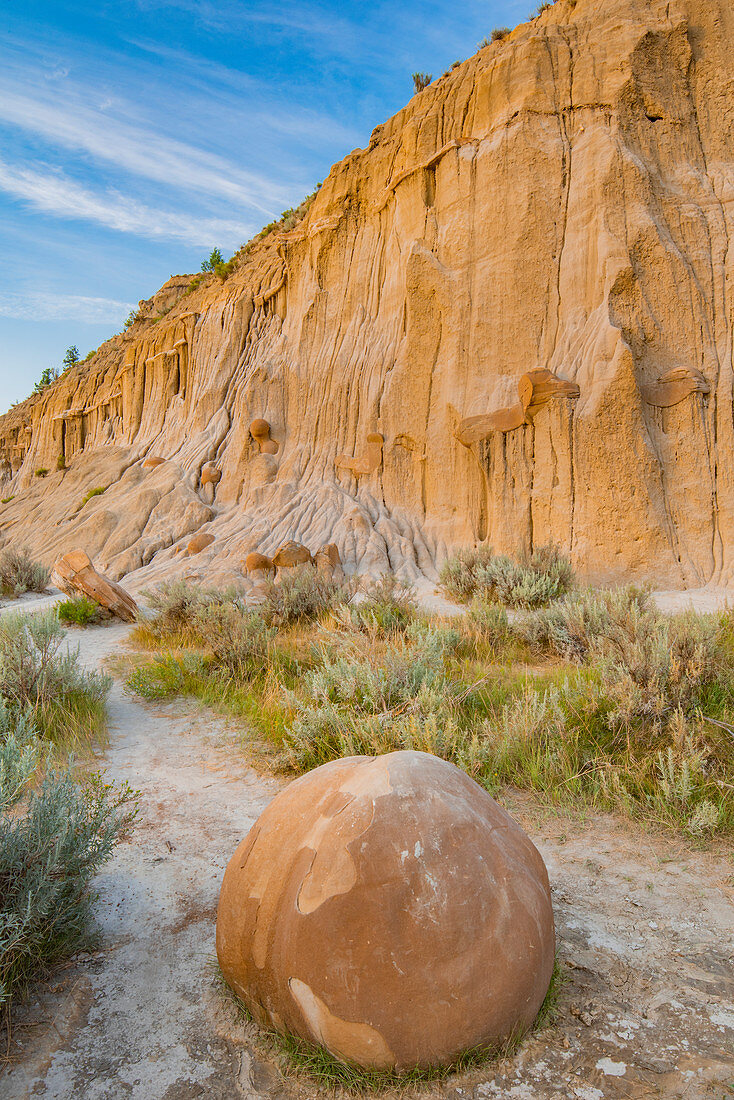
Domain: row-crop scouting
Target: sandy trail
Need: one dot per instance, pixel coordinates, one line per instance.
(131, 1019)
(645, 939)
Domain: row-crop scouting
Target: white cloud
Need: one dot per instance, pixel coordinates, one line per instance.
(43, 306)
(140, 151)
(56, 194)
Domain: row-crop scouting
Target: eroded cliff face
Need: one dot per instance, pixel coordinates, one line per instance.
(562, 200)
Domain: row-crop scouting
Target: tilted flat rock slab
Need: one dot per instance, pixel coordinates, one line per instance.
(74, 573)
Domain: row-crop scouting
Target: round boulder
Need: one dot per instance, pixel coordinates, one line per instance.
(258, 563)
(291, 554)
(388, 909)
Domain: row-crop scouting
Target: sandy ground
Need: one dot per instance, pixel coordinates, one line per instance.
(645, 939)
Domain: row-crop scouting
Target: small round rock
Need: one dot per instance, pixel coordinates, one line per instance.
(387, 909)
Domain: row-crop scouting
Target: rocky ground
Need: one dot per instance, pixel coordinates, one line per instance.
(645, 939)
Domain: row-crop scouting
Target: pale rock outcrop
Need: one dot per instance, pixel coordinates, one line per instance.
(563, 201)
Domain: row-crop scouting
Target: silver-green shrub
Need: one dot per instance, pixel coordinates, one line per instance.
(53, 839)
(303, 594)
(34, 673)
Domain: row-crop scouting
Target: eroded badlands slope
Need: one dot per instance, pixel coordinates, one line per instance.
(563, 200)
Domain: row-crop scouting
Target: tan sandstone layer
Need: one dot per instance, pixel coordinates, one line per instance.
(562, 200)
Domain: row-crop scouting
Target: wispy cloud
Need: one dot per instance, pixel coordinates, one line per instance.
(138, 150)
(56, 194)
(47, 306)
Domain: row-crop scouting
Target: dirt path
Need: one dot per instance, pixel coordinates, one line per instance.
(129, 1022)
(645, 938)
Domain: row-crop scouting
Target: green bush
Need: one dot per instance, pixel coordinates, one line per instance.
(19, 573)
(499, 33)
(302, 594)
(648, 664)
(61, 463)
(167, 676)
(364, 698)
(65, 700)
(81, 611)
(42, 471)
(421, 81)
(572, 626)
(531, 582)
(97, 492)
(53, 840)
(488, 623)
(7, 500)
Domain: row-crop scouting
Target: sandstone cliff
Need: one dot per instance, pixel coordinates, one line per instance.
(562, 200)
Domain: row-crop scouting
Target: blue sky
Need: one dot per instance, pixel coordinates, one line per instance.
(135, 135)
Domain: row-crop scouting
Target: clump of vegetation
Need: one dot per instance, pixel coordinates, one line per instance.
(53, 839)
(132, 318)
(215, 260)
(649, 664)
(237, 637)
(459, 573)
(489, 625)
(387, 606)
(80, 611)
(48, 375)
(179, 608)
(66, 702)
(19, 573)
(499, 33)
(597, 701)
(302, 594)
(532, 581)
(359, 701)
(42, 471)
(96, 492)
(61, 463)
(421, 81)
(543, 7)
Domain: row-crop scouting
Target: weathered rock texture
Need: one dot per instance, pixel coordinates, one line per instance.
(388, 909)
(562, 200)
(75, 574)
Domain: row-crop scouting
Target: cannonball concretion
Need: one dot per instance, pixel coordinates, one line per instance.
(387, 909)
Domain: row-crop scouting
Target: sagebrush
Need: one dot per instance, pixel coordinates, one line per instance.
(20, 573)
(54, 837)
(66, 701)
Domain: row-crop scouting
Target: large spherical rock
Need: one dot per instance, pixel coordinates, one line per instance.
(388, 909)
